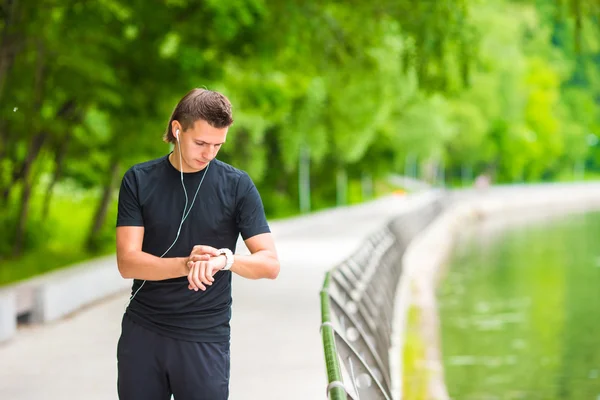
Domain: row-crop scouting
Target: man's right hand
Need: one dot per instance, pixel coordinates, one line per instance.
(202, 250)
(200, 273)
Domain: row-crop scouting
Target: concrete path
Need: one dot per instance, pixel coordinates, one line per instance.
(276, 346)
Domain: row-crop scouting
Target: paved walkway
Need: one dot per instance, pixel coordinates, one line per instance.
(276, 346)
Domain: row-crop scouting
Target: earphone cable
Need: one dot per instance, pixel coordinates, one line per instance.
(186, 211)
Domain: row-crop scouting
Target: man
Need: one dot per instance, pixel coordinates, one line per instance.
(179, 218)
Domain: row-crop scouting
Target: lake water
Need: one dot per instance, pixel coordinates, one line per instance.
(520, 312)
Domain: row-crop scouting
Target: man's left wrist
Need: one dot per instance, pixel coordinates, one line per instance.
(228, 258)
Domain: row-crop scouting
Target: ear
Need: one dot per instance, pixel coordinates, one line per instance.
(176, 126)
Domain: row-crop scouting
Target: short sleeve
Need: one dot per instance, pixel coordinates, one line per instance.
(250, 213)
(129, 210)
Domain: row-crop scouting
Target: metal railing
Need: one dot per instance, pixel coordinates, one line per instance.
(357, 302)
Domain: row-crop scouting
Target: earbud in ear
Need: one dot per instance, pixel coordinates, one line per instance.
(177, 134)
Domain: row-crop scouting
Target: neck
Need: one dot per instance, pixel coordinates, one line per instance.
(178, 162)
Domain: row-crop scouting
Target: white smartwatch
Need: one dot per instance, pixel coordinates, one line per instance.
(228, 257)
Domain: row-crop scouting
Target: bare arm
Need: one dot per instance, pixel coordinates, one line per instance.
(136, 264)
(262, 262)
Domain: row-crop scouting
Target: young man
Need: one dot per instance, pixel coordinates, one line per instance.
(178, 222)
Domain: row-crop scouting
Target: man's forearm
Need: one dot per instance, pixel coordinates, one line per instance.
(141, 265)
(262, 264)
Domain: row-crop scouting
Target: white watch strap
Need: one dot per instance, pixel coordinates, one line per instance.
(229, 258)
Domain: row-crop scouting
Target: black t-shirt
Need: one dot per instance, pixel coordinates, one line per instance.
(227, 205)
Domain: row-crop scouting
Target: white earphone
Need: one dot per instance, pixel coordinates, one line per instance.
(186, 211)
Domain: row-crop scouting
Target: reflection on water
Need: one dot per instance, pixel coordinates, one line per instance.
(520, 312)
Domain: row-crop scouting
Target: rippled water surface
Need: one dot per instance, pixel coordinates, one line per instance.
(520, 312)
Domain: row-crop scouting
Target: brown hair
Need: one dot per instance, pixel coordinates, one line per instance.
(200, 104)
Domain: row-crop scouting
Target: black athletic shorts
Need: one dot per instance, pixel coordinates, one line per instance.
(154, 367)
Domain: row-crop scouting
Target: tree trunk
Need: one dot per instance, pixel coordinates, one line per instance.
(67, 111)
(59, 157)
(577, 10)
(100, 215)
(3, 155)
(22, 174)
(8, 41)
(38, 140)
(22, 221)
(34, 150)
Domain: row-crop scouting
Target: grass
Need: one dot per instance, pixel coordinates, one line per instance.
(37, 262)
(57, 242)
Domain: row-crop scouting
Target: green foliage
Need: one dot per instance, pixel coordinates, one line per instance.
(506, 87)
(57, 240)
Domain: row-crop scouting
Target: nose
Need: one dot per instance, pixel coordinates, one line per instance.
(210, 152)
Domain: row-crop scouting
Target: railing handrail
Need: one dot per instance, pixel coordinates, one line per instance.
(357, 308)
(335, 388)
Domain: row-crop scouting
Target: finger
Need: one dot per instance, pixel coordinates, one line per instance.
(203, 249)
(199, 257)
(203, 271)
(208, 273)
(196, 276)
(192, 285)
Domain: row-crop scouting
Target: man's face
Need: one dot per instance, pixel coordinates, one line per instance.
(200, 144)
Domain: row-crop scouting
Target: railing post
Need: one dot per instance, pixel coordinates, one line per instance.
(357, 302)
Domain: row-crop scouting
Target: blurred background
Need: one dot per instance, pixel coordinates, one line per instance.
(331, 99)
